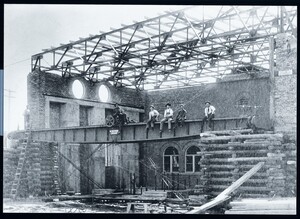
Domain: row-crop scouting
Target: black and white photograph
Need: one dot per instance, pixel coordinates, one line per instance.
(150, 109)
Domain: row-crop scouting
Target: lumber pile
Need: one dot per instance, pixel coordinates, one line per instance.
(284, 206)
(10, 162)
(47, 172)
(226, 156)
(225, 195)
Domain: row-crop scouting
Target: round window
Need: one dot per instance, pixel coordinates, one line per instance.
(103, 93)
(78, 89)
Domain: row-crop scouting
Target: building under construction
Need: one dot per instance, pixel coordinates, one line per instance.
(242, 59)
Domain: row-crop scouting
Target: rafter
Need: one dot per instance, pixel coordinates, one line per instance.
(170, 48)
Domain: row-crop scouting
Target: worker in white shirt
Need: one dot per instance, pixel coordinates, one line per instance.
(209, 114)
(153, 117)
(168, 116)
(26, 118)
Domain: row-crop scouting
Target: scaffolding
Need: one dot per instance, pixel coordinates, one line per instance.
(192, 46)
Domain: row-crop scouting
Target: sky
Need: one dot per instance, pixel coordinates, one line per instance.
(30, 28)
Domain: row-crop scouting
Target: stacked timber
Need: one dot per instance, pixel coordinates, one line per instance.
(290, 168)
(47, 169)
(10, 162)
(34, 169)
(231, 153)
(284, 206)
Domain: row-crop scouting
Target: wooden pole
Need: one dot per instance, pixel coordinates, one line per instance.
(177, 181)
(223, 196)
(155, 178)
(130, 183)
(133, 183)
(146, 181)
(272, 81)
(173, 180)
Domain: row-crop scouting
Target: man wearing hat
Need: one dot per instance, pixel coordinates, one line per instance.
(209, 114)
(168, 116)
(153, 117)
(181, 117)
(119, 114)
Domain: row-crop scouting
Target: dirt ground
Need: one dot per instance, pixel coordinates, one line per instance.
(38, 206)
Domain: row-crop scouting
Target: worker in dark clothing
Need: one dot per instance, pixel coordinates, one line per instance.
(209, 115)
(119, 116)
(181, 117)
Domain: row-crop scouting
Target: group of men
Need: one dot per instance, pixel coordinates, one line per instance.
(180, 118)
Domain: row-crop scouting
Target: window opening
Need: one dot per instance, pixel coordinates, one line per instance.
(171, 160)
(193, 159)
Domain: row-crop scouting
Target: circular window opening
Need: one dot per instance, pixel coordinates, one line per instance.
(103, 93)
(78, 89)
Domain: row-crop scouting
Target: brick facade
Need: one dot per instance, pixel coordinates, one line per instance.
(224, 96)
(286, 85)
(111, 167)
(45, 89)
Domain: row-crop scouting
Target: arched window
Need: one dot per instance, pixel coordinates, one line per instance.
(192, 159)
(171, 160)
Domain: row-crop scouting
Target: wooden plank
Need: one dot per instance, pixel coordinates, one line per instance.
(243, 179)
(240, 137)
(241, 159)
(209, 205)
(230, 132)
(260, 212)
(223, 196)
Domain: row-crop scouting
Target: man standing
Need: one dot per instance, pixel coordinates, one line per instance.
(209, 115)
(26, 118)
(181, 117)
(168, 116)
(153, 117)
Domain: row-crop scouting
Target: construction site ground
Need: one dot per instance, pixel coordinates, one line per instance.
(88, 204)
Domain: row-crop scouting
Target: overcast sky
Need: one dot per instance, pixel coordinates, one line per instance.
(30, 28)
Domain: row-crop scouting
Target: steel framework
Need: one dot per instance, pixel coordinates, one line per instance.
(188, 47)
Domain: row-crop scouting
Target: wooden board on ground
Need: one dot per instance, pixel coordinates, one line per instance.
(223, 196)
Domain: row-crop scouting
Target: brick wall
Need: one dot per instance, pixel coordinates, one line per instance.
(223, 95)
(41, 84)
(44, 88)
(285, 103)
(286, 85)
(155, 151)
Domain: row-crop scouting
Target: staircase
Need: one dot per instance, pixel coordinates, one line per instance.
(21, 162)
